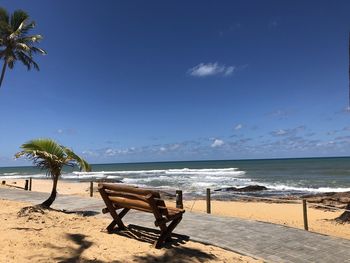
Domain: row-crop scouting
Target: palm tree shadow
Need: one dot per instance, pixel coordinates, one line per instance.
(84, 213)
(74, 254)
(178, 255)
(150, 235)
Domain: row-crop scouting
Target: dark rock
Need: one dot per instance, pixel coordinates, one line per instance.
(249, 188)
(337, 200)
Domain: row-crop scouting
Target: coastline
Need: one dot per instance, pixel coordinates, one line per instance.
(278, 212)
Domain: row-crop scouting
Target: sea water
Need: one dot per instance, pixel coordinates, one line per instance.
(280, 176)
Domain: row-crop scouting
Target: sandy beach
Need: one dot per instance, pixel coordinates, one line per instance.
(288, 214)
(58, 237)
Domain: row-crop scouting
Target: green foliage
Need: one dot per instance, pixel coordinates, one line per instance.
(15, 43)
(50, 156)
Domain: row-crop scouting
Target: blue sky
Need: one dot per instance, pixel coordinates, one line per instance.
(128, 81)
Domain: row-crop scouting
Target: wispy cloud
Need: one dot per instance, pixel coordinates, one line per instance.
(279, 132)
(287, 132)
(230, 29)
(280, 113)
(217, 143)
(273, 23)
(211, 69)
(238, 126)
(68, 131)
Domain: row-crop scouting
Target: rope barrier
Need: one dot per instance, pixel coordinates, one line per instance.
(291, 201)
(268, 198)
(330, 207)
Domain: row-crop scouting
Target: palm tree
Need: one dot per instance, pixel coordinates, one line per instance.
(52, 157)
(15, 43)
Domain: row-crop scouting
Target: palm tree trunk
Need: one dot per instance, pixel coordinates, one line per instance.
(52, 197)
(3, 72)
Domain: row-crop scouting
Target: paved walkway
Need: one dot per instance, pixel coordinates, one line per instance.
(272, 243)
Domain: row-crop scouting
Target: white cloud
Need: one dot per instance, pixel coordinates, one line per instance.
(68, 131)
(280, 132)
(210, 69)
(229, 70)
(238, 126)
(162, 149)
(110, 152)
(288, 132)
(217, 143)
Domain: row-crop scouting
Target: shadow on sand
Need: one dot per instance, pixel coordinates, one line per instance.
(150, 235)
(178, 255)
(173, 251)
(74, 254)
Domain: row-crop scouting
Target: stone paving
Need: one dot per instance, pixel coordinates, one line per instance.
(270, 242)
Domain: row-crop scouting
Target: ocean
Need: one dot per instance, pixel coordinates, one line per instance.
(280, 176)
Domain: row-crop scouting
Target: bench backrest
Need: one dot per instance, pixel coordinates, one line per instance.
(123, 196)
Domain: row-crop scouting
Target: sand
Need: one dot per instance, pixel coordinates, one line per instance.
(319, 221)
(58, 237)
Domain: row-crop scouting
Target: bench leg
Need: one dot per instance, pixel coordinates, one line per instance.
(111, 226)
(166, 233)
(117, 220)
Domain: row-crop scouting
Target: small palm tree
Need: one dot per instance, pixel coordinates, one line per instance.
(52, 157)
(15, 43)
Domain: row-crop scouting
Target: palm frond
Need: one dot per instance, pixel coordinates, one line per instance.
(50, 156)
(17, 18)
(23, 47)
(30, 39)
(27, 60)
(4, 16)
(24, 59)
(27, 27)
(80, 162)
(15, 44)
(38, 50)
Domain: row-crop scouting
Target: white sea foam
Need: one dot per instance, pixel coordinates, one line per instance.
(190, 180)
(11, 174)
(282, 187)
(222, 171)
(22, 176)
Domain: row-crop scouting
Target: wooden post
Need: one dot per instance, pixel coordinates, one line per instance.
(26, 186)
(3, 182)
(91, 188)
(208, 201)
(179, 202)
(306, 227)
(30, 184)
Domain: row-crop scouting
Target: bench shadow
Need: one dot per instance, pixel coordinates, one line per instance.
(150, 235)
(173, 253)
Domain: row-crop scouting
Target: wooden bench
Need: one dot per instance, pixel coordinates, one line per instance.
(119, 196)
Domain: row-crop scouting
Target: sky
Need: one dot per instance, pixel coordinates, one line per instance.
(139, 81)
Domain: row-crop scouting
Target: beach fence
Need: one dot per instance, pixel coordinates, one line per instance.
(27, 184)
(207, 196)
(304, 204)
